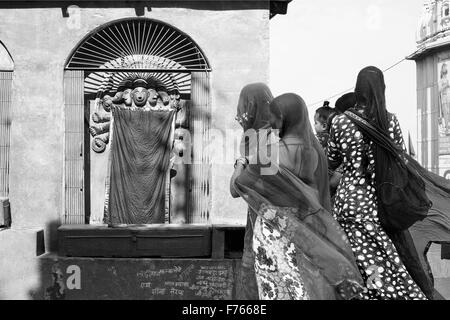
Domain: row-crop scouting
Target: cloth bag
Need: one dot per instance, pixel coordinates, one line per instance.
(402, 199)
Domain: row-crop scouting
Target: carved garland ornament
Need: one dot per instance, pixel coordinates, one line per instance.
(138, 94)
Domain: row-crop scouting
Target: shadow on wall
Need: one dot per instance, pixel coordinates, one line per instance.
(51, 241)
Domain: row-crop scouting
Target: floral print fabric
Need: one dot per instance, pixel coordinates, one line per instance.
(277, 273)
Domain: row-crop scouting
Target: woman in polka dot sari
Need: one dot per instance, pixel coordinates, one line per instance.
(355, 206)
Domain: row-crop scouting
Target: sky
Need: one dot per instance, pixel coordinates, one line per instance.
(318, 48)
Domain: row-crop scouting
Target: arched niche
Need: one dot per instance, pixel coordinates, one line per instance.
(6, 61)
(98, 67)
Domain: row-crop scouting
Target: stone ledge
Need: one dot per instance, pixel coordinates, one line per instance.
(26, 242)
(162, 241)
(137, 279)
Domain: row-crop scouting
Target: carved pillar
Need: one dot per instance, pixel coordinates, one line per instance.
(200, 124)
(437, 7)
(5, 127)
(74, 210)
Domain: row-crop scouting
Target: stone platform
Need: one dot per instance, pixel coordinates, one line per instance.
(73, 278)
(156, 240)
(26, 273)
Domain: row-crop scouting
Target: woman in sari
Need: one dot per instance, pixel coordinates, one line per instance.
(392, 263)
(253, 116)
(300, 251)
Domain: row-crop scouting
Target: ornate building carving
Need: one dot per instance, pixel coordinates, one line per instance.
(435, 21)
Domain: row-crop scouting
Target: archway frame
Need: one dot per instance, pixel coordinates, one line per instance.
(91, 34)
(75, 133)
(8, 57)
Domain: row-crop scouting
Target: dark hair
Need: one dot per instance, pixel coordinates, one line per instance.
(345, 102)
(370, 95)
(326, 103)
(324, 113)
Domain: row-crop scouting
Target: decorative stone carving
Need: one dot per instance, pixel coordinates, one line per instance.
(107, 103)
(435, 21)
(165, 98)
(137, 94)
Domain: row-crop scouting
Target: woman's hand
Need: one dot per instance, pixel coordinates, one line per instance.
(335, 179)
(239, 167)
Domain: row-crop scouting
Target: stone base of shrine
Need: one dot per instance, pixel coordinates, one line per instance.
(75, 278)
(155, 262)
(81, 278)
(155, 240)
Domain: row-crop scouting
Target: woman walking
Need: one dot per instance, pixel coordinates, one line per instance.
(356, 203)
(300, 251)
(253, 116)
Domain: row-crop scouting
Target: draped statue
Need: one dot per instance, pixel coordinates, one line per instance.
(138, 123)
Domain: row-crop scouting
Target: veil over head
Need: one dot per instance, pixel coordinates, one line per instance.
(253, 106)
(370, 93)
(295, 122)
(253, 115)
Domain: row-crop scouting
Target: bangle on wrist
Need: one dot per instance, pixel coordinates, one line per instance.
(241, 160)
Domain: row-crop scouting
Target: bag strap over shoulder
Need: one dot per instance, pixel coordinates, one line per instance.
(377, 136)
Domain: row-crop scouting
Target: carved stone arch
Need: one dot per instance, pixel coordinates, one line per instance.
(6, 60)
(138, 44)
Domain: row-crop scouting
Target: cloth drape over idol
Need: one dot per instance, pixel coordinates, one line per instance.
(139, 160)
(299, 247)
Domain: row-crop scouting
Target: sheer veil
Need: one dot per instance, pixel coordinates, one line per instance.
(295, 203)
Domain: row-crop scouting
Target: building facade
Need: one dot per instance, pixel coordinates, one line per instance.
(433, 110)
(58, 59)
(433, 113)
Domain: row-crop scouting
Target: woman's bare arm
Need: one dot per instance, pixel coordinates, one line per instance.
(237, 172)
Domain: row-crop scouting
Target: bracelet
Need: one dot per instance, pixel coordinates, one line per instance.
(241, 160)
